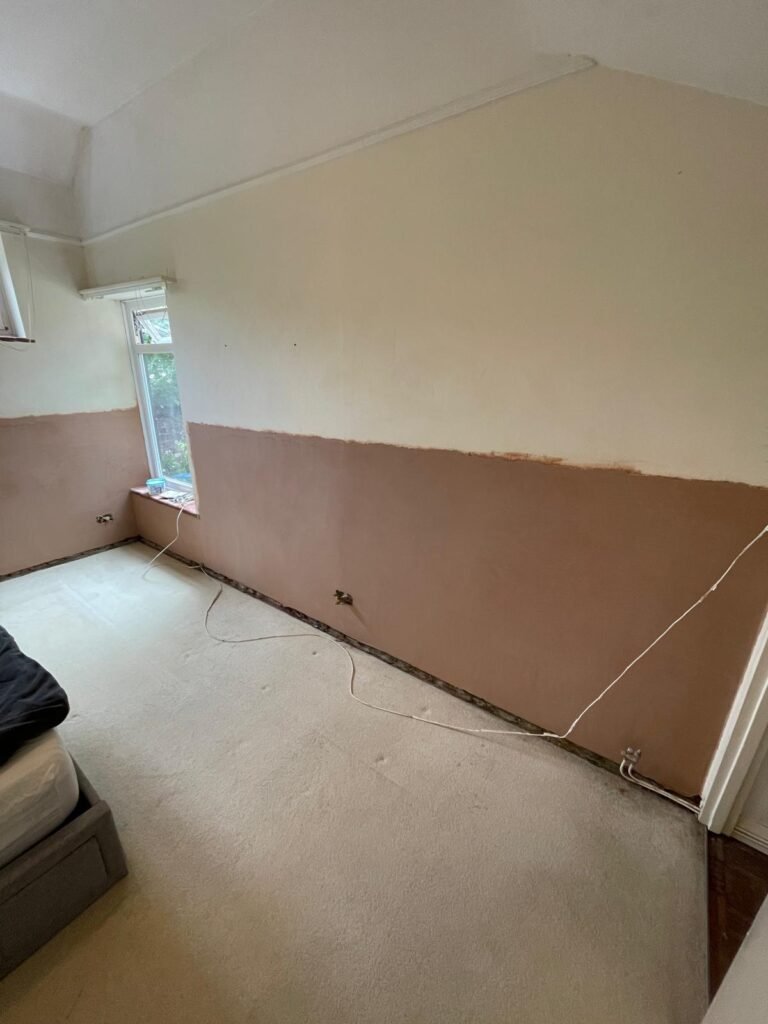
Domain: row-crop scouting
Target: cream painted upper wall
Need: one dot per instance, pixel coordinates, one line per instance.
(79, 362)
(576, 272)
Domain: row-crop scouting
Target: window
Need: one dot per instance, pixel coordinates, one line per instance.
(5, 319)
(11, 325)
(154, 368)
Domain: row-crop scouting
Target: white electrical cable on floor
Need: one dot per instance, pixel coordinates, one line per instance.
(432, 721)
(186, 500)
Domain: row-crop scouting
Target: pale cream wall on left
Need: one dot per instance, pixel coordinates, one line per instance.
(80, 360)
(71, 445)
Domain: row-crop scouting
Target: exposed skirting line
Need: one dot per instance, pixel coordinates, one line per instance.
(470, 698)
(568, 66)
(68, 558)
(629, 760)
(757, 837)
(754, 834)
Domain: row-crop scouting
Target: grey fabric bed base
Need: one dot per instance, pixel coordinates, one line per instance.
(45, 888)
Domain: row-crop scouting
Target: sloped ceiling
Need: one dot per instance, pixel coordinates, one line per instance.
(187, 96)
(301, 79)
(718, 45)
(85, 59)
(36, 141)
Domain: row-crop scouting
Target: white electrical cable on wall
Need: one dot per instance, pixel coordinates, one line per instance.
(186, 500)
(432, 721)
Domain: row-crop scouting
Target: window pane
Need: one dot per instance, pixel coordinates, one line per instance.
(152, 327)
(5, 320)
(165, 406)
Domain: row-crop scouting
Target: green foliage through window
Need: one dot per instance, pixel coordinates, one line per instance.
(165, 404)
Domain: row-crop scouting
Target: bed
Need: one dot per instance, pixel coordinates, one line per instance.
(59, 848)
(38, 791)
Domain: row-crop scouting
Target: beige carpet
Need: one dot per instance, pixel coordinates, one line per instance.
(297, 857)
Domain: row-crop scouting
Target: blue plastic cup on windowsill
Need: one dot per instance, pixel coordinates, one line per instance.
(155, 486)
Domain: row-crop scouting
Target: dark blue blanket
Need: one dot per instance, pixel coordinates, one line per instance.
(31, 700)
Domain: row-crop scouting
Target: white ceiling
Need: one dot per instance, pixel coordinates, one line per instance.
(37, 142)
(718, 45)
(302, 77)
(85, 58)
(187, 96)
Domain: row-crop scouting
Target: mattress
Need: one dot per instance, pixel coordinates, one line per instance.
(38, 790)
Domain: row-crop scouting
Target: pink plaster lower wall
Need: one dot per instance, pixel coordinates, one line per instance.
(528, 584)
(57, 473)
(157, 522)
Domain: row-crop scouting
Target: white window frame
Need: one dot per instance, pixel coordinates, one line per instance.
(11, 321)
(136, 349)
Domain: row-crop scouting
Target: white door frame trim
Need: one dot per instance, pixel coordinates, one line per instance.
(740, 741)
(754, 834)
